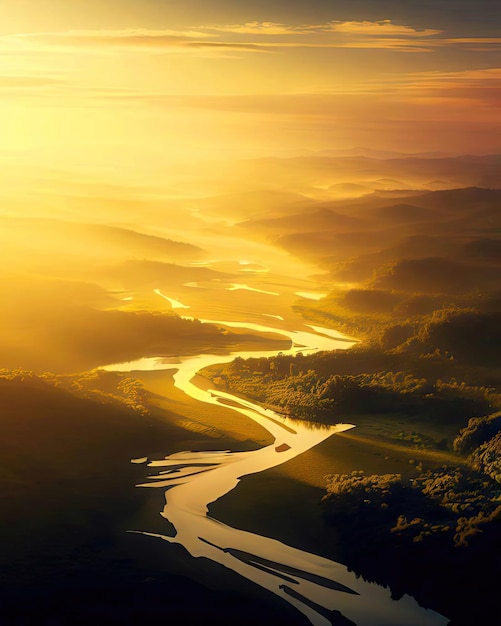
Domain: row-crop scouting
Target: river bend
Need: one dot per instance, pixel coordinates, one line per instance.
(321, 589)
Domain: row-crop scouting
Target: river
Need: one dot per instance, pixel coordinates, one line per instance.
(321, 589)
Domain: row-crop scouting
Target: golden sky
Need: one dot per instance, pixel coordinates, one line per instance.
(136, 84)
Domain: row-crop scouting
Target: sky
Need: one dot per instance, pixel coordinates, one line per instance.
(127, 85)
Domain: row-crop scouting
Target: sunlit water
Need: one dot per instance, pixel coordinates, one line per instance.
(317, 587)
(238, 286)
(310, 295)
(175, 304)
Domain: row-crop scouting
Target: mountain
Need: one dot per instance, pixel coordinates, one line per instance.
(144, 274)
(321, 219)
(89, 240)
(464, 199)
(403, 213)
(436, 275)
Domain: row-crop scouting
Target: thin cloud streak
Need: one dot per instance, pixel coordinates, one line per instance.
(258, 28)
(125, 36)
(379, 28)
(134, 40)
(383, 34)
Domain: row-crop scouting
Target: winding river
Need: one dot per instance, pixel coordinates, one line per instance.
(323, 590)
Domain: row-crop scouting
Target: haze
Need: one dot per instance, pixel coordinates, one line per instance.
(258, 244)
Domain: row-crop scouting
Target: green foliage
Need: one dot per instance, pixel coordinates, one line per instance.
(453, 504)
(487, 458)
(370, 300)
(395, 335)
(417, 529)
(299, 387)
(468, 335)
(431, 275)
(469, 527)
(458, 490)
(478, 431)
(355, 492)
(430, 365)
(98, 386)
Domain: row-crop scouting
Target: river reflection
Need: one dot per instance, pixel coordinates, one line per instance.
(323, 590)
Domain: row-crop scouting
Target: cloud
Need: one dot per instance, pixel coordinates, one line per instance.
(132, 36)
(491, 44)
(131, 39)
(137, 38)
(249, 47)
(477, 81)
(259, 28)
(379, 43)
(380, 34)
(381, 28)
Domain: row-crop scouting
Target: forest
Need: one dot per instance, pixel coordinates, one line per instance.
(427, 390)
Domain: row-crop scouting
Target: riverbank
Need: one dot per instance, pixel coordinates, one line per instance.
(68, 500)
(195, 480)
(413, 494)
